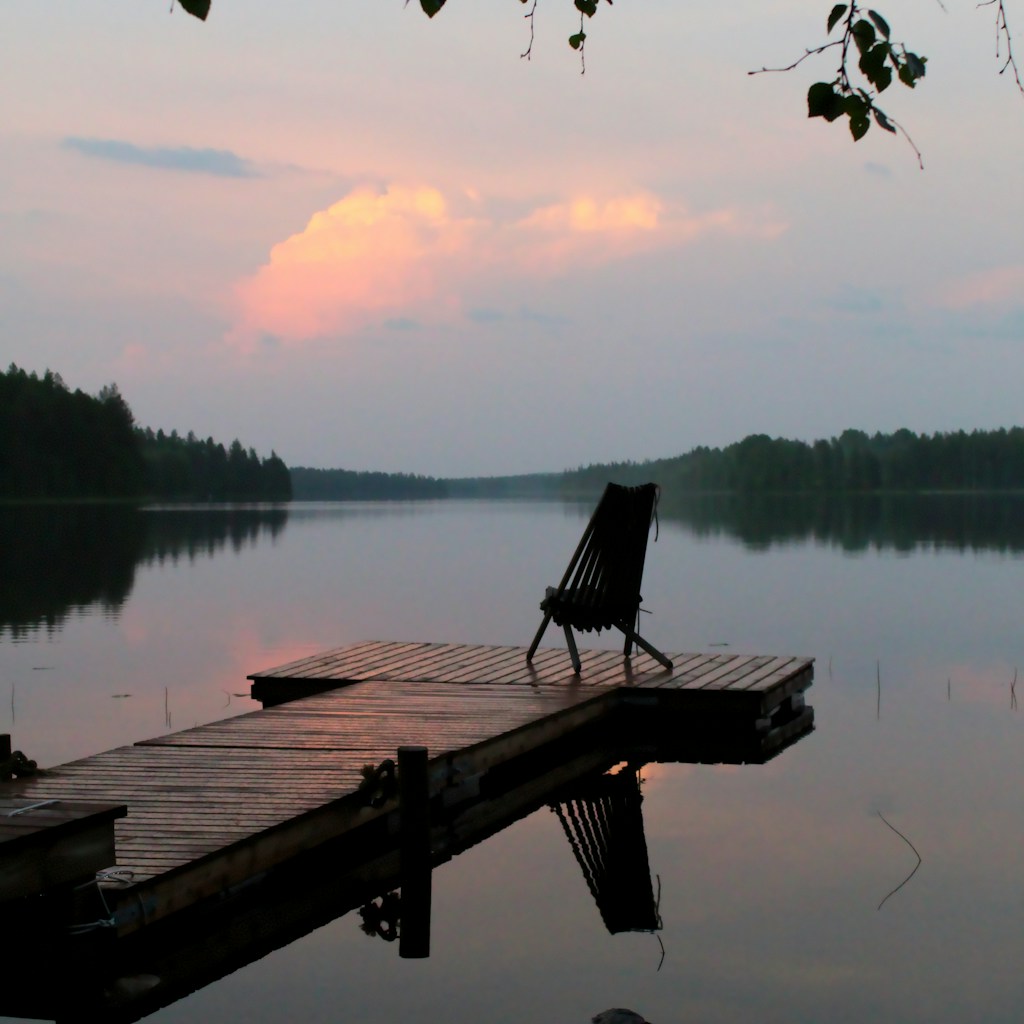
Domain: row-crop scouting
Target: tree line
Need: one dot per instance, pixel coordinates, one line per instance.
(192, 469)
(359, 485)
(852, 463)
(61, 444)
(362, 485)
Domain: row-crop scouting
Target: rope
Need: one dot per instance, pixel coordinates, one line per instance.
(30, 807)
(103, 922)
(17, 766)
(384, 918)
(117, 876)
(379, 784)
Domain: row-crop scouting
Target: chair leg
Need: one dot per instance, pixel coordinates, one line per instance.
(634, 637)
(536, 640)
(573, 653)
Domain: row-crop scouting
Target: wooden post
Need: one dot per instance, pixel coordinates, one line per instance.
(5, 756)
(414, 840)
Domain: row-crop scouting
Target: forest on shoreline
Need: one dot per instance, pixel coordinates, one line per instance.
(852, 464)
(56, 444)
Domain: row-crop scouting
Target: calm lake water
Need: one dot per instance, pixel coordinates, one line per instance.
(117, 626)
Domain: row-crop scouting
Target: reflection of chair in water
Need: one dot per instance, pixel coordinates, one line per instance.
(604, 824)
(601, 587)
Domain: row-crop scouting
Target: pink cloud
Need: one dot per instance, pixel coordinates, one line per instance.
(639, 212)
(1002, 286)
(367, 256)
(407, 253)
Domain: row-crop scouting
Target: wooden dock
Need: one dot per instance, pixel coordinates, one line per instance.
(733, 683)
(212, 808)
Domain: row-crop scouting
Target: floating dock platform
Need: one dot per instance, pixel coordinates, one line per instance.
(212, 809)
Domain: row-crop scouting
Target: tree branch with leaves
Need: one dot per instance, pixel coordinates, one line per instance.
(869, 59)
(853, 92)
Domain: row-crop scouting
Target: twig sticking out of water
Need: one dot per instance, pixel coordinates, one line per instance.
(830, 666)
(878, 681)
(167, 708)
(949, 688)
(657, 912)
(916, 854)
(1013, 690)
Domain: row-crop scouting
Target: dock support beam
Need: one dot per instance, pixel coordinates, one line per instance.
(414, 839)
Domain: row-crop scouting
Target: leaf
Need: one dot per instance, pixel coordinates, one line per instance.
(819, 98)
(883, 121)
(912, 69)
(588, 7)
(197, 8)
(577, 40)
(880, 23)
(836, 13)
(823, 101)
(431, 7)
(871, 59)
(863, 34)
(855, 106)
(859, 127)
(872, 64)
(857, 110)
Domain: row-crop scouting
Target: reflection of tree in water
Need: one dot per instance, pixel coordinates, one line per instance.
(58, 559)
(901, 522)
(194, 531)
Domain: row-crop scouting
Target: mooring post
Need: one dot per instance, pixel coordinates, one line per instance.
(414, 848)
(5, 757)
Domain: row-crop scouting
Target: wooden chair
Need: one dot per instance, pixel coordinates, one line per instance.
(601, 587)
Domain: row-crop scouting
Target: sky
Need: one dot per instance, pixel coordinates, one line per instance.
(366, 239)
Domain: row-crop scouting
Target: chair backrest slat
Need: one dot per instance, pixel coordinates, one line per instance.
(602, 583)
